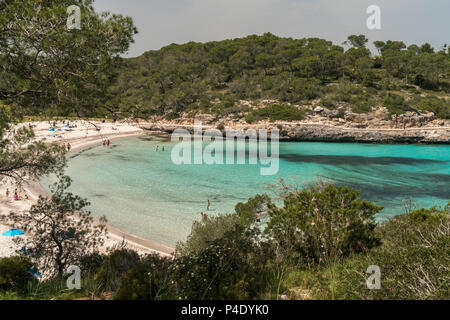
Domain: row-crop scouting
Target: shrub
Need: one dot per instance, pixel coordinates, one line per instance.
(172, 116)
(205, 232)
(276, 112)
(361, 103)
(226, 265)
(14, 273)
(116, 264)
(90, 264)
(148, 280)
(248, 212)
(414, 261)
(324, 222)
(440, 107)
(135, 285)
(394, 103)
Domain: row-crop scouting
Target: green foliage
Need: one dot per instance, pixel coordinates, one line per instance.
(14, 273)
(148, 280)
(54, 72)
(323, 223)
(21, 156)
(395, 104)
(429, 215)
(63, 231)
(182, 77)
(249, 211)
(203, 232)
(362, 103)
(135, 285)
(357, 41)
(90, 264)
(276, 112)
(225, 264)
(59, 71)
(114, 267)
(414, 262)
(439, 106)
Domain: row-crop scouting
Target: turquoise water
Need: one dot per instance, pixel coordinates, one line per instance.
(142, 192)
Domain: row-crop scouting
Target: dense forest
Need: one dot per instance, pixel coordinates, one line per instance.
(215, 77)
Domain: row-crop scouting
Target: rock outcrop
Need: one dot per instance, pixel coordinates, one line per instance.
(302, 131)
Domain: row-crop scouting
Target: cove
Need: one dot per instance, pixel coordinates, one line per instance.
(141, 191)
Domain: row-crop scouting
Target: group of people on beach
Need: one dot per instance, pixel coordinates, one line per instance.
(15, 195)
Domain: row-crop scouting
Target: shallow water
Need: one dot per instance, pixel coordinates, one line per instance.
(142, 192)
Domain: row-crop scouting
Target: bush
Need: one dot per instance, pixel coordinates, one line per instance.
(394, 103)
(172, 116)
(440, 107)
(226, 265)
(90, 264)
(414, 261)
(276, 112)
(148, 280)
(14, 273)
(361, 103)
(324, 222)
(114, 267)
(204, 232)
(426, 215)
(135, 285)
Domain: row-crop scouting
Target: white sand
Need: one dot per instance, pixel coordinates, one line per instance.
(83, 135)
(7, 246)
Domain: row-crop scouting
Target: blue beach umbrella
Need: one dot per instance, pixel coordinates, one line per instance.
(34, 272)
(12, 232)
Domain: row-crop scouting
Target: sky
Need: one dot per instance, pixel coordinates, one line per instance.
(163, 22)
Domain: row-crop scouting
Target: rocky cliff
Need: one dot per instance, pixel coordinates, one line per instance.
(322, 124)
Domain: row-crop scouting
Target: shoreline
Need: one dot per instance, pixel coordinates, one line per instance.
(34, 189)
(324, 132)
(90, 133)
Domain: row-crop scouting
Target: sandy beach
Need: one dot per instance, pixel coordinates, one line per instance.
(81, 134)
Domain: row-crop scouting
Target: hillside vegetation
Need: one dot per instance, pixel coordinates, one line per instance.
(215, 77)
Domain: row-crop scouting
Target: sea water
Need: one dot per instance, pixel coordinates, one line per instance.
(141, 191)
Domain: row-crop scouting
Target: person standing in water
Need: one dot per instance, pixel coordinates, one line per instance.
(207, 204)
(162, 149)
(157, 148)
(108, 142)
